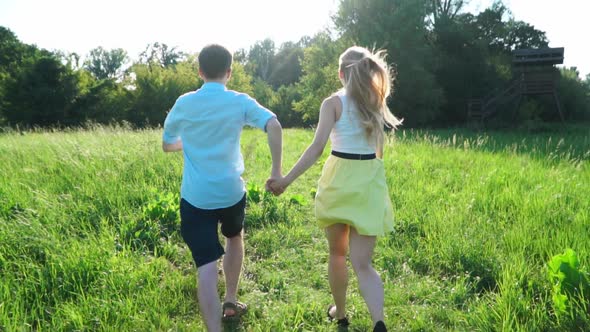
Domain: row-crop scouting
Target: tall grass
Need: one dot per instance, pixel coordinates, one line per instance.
(89, 234)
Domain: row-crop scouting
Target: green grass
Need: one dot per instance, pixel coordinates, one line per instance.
(89, 234)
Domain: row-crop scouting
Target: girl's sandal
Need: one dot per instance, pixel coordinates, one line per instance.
(342, 323)
(380, 327)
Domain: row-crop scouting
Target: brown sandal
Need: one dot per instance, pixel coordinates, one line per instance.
(238, 308)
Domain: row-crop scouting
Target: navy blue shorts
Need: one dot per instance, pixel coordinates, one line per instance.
(198, 228)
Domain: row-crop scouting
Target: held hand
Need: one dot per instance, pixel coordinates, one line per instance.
(272, 187)
(268, 183)
(276, 185)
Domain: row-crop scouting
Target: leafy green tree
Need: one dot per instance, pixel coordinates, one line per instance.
(14, 57)
(574, 95)
(474, 53)
(264, 94)
(446, 9)
(399, 27)
(240, 56)
(106, 64)
(320, 74)
(156, 88)
(42, 94)
(304, 41)
(283, 106)
(12, 52)
(280, 102)
(521, 35)
(260, 57)
(240, 80)
(70, 59)
(461, 69)
(162, 55)
(506, 36)
(286, 65)
(100, 101)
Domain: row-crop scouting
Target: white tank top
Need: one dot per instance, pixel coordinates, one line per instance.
(348, 135)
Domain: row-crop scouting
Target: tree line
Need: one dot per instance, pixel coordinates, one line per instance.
(442, 56)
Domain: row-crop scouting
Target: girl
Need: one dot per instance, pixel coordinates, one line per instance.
(352, 201)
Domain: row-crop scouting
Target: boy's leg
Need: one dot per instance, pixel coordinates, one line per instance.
(232, 227)
(337, 236)
(208, 296)
(198, 228)
(232, 266)
(370, 284)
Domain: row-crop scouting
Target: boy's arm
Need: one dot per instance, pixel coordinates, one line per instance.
(274, 132)
(171, 136)
(258, 116)
(172, 147)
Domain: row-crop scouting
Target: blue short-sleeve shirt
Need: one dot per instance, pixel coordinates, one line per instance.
(209, 122)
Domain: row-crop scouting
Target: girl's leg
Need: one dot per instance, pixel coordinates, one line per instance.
(370, 284)
(337, 235)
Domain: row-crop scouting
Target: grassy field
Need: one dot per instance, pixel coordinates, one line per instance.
(89, 235)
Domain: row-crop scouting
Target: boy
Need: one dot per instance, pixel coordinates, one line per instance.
(206, 125)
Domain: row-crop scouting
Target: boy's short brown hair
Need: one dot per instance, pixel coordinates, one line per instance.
(214, 61)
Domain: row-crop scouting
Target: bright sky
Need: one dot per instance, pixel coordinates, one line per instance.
(78, 26)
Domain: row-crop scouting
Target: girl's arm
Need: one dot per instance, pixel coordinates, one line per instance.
(328, 117)
(379, 151)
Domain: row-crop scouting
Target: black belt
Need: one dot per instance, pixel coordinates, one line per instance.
(354, 156)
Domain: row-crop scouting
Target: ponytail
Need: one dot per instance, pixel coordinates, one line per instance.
(367, 81)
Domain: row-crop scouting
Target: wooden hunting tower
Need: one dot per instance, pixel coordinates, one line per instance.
(533, 74)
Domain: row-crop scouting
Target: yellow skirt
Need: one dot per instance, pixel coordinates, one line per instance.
(354, 192)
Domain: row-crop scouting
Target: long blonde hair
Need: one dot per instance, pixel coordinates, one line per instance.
(367, 80)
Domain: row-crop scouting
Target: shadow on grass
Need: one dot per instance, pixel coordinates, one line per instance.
(556, 143)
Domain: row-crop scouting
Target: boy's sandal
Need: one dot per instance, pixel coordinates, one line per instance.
(342, 322)
(238, 308)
